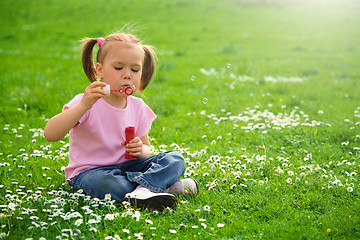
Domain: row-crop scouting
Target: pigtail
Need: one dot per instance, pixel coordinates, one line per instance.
(87, 59)
(148, 68)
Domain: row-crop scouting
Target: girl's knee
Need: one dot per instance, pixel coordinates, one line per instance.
(177, 160)
(117, 186)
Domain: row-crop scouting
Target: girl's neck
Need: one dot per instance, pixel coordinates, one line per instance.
(118, 102)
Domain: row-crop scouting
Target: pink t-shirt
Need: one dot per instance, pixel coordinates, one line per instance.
(96, 140)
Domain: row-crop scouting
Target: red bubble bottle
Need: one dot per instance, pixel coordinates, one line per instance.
(129, 135)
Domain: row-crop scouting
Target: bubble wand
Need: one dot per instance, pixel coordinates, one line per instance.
(128, 90)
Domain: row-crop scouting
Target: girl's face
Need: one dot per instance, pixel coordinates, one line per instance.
(122, 66)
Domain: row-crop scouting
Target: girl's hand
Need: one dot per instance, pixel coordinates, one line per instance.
(134, 147)
(92, 93)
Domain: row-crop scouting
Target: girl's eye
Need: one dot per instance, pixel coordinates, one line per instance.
(118, 68)
(135, 70)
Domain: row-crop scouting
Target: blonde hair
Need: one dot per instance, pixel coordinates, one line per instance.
(148, 69)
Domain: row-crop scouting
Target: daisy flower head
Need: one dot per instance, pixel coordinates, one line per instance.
(108, 196)
(136, 215)
(220, 225)
(12, 206)
(139, 235)
(109, 217)
(92, 221)
(279, 170)
(289, 180)
(79, 222)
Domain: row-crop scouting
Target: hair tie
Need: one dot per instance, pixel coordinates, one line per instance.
(100, 41)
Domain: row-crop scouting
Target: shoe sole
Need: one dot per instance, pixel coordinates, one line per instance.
(157, 203)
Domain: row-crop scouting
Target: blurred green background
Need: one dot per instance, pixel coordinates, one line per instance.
(316, 40)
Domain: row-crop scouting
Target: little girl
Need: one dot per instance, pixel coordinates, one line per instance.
(97, 121)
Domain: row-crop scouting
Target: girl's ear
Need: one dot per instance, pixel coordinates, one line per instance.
(99, 70)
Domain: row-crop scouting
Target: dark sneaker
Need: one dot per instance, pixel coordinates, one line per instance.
(142, 198)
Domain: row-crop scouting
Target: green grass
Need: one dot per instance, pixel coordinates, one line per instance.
(275, 160)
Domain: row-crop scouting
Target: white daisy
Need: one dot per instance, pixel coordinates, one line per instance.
(109, 217)
(79, 222)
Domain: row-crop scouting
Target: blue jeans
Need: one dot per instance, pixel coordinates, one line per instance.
(156, 173)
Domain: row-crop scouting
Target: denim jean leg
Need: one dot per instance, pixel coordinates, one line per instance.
(160, 172)
(98, 182)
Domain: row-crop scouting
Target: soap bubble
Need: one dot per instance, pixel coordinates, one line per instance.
(205, 101)
(193, 78)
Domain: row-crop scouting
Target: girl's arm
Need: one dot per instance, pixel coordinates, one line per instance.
(58, 126)
(139, 147)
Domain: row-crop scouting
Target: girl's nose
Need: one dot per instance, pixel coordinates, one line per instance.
(127, 74)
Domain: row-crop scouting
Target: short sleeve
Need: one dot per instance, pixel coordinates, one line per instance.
(72, 103)
(146, 119)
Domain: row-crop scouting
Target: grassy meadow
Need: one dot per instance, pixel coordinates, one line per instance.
(261, 98)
